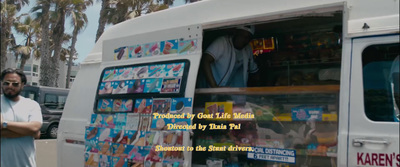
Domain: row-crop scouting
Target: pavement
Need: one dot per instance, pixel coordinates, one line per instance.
(46, 152)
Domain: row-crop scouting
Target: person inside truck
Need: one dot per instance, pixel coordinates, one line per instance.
(228, 61)
(394, 85)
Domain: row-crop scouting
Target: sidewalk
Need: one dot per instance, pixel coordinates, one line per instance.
(46, 152)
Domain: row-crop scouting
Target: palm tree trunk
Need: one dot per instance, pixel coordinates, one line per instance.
(102, 19)
(58, 34)
(74, 39)
(23, 61)
(7, 19)
(45, 62)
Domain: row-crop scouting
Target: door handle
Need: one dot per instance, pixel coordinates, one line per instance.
(362, 141)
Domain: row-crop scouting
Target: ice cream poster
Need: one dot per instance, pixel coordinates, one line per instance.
(171, 85)
(173, 70)
(218, 108)
(105, 134)
(126, 73)
(108, 75)
(156, 71)
(96, 120)
(154, 156)
(91, 133)
(161, 123)
(155, 164)
(187, 47)
(132, 121)
(91, 159)
(152, 49)
(169, 47)
(120, 53)
(131, 52)
(105, 161)
(172, 138)
(105, 88)
(132, 162)
(104, 105)
(174, 163)
(181, 105)
(136, 86)
(137, 154)
(174, 156)
(119, 150)
(144, 123)
(153, 85)
(162, 105)
(91, 146)
(153, 138)
(109, 121)
(119, 162)
(104, 148)
(122, 105)
(120, 87)
(140, 139)
(143, 106)
(140, 72)
(120, 120)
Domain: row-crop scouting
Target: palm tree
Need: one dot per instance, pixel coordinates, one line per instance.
(79, 20)
(46, 75)
(9, 9)
(28, 28)
(116, 11)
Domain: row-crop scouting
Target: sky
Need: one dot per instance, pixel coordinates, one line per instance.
(86, 39)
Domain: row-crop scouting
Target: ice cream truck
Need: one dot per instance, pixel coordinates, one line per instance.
(327, 91)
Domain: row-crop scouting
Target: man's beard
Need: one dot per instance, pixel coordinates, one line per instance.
(10, 95)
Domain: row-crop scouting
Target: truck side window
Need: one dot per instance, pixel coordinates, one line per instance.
(380, 81)
(53, 101)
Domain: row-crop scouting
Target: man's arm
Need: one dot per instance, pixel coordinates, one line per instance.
(24, 128)
(5, 133)
(206, 66)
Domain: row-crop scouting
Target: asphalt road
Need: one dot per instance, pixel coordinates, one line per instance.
(46, 152)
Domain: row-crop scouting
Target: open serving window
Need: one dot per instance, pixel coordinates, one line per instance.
(289, 116)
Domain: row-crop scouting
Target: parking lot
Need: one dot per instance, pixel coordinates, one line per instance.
(46, 152)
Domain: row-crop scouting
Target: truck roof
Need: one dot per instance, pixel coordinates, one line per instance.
(382, 17)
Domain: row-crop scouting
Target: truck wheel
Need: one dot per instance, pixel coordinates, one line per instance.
(52, 131)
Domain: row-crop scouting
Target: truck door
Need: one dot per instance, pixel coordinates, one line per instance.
(374, 100)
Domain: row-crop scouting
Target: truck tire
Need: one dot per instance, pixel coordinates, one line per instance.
(52, 131)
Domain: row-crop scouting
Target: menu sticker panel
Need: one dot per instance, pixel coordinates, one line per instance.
(172, 138)
(91, 159)
(174, 156)
(143, 106)
(105, 135)
(120, 53)
(152, 49)
(220, 108)
(96, 120)
(187, 47)
(153, 85)
(119, 87)
(154, 156)
(156, 71)
(108, 75)
(109, 121)
(105, 88)
(104, 148)
(120, 120)
(136, 86)
(105, 105)
(169, 47)
(162, 105)
(126, 74)
(122, 105)
(140, 72)
(105, 161)
(145, 122)
(120, 162)
(140, 139)
(171, 85)
(181, 105)
(132, 121)
(153, 138)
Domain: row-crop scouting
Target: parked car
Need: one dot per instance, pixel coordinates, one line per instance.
(51, 101)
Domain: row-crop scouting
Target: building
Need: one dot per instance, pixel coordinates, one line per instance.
(32, 70)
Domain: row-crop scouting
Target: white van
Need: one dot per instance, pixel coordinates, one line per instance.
(327, 95)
